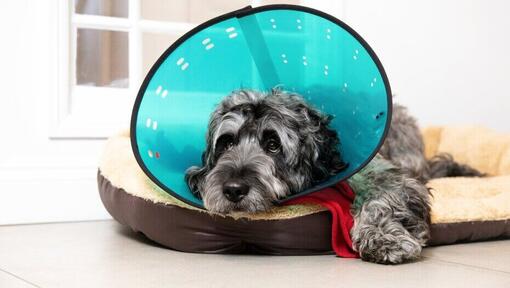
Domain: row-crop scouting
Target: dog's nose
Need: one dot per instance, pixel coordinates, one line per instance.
(235, 190)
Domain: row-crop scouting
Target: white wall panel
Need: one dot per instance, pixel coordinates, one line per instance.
(448, 60)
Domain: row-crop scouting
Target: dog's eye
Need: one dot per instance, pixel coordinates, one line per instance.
(225, 142)
(273, 146)
(271, 142)
(229, 145)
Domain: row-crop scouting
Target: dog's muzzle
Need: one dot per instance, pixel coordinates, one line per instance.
(235, 190)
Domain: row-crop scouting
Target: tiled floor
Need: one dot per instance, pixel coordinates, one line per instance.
(105, 254)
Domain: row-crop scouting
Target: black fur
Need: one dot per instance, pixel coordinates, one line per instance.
(443, 165)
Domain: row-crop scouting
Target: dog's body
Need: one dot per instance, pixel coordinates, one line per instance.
(262, 147)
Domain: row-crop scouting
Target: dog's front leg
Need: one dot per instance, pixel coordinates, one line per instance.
(391, 214)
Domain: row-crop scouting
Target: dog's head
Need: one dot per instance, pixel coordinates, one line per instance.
(262, 147)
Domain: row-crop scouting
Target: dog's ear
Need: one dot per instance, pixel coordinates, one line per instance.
(195, 176)
(322, 144)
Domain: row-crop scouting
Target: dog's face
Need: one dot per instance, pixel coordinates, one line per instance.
(262, 147)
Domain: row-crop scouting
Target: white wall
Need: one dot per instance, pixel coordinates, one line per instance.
(448, 60)
(42, 179)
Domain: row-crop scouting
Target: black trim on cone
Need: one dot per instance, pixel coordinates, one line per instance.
(248, 10)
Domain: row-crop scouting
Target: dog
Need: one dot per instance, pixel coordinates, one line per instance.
(261, 147)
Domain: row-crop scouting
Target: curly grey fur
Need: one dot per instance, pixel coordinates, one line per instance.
(391, 209)
(392, 205)
(309, 150)
(404, 145)
(391, 212)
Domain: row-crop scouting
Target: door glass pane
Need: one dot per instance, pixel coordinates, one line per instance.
(153, 46)
(113, 8)
(193, 11)
(102, 58)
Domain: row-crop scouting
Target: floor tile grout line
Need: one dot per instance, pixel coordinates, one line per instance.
(58, 222)
(19, 278)
(467, 265)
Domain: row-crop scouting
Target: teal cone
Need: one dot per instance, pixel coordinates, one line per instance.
(295, 48)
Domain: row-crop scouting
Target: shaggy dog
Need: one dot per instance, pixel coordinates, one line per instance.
(264, 146)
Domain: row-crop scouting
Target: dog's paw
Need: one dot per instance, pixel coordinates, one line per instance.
(375, 246)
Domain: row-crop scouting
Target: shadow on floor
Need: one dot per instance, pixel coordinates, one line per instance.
(137, 236)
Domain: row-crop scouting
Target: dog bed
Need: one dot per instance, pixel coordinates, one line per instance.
(463, 209)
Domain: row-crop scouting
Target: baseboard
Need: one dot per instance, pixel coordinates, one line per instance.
(49, 195)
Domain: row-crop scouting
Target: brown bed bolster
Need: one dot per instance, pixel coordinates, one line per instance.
(193, 231)
(450, 233)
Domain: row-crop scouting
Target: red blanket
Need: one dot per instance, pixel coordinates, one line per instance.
(337, 199)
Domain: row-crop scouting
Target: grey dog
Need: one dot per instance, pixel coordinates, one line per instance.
(264, 146)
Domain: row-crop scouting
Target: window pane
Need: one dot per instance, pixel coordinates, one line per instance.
(204, 10)
(165, 10)
(102, 58)
(153, 46)
(193, 11)
(113, 8)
